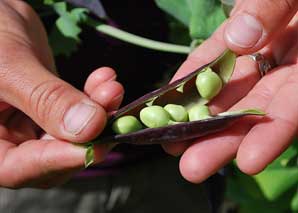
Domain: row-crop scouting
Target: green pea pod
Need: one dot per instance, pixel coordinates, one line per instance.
(181, 92)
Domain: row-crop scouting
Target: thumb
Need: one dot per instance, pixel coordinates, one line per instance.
(57, 107)
(254, 23)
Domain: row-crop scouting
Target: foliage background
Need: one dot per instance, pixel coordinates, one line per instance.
(189, 23)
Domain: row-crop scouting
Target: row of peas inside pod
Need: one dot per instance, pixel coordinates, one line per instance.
(177, 111)
(208, 84)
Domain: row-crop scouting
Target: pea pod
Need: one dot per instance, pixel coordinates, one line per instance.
(181, 92)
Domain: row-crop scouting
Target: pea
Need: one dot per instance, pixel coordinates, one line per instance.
(208, 84)
(177, 112)
(198, 112)
(154, 116)
(126, 124)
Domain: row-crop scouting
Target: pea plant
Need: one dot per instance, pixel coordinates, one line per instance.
(190, 22)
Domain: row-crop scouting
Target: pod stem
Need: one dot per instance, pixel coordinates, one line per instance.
(137, 40)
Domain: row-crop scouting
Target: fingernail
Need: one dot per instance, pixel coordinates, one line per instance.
(78, 117)
(106, 75)
(244, 31)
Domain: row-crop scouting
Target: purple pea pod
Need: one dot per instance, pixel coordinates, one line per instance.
(183, 92)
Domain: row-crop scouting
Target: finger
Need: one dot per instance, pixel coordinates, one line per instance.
(108, 94)
(98, 77)
(58, 178)
(267, 140)
(209, 154)
(46, 158)
(56, 106)
(253, 24)
(219, 149)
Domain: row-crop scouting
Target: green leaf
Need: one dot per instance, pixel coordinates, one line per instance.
(65, 34)
(243, 189)
(60, 8)
(68, 27)
(206, 16)
(60, 44)
(283, 160)
(79, 14)
(201, 16)
(275, 182)
(177, 8)
(294, 202)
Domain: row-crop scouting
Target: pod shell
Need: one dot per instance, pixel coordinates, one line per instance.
(182, 90)
(177, 132)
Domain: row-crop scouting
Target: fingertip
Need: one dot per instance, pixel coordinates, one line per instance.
(109, 95)
(192, 168)
(250, 162)
(98, 77)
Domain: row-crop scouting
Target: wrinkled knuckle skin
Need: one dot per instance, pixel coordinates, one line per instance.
(45, 99)
(290, 4)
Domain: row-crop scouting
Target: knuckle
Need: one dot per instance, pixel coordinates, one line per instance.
(289, 5)
(46, 97)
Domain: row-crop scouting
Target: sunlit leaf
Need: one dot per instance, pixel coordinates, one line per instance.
(206, 16)
(179, 9)
(275, 182)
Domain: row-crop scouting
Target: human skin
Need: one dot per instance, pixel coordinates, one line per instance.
(254, 143)
(40, 115)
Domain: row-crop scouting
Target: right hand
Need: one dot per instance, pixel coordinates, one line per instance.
(270, 27)
(33, 98)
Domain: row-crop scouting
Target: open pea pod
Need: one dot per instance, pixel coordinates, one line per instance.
(183, 92)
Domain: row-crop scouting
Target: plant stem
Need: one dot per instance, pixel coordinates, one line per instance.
(138, 40)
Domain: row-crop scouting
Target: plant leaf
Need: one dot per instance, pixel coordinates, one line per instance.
(177, 8)
(283, 160)
(65, 34)
(68, 27)
(275, 182)
(294, 202)
(206, 16)
(60, 44)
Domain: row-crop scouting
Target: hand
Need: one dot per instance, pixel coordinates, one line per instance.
(33, 97)
(255, 143)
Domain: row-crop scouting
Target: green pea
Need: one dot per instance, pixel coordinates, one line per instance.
(177, 112)
(154, 116)
(126, 124)
(208, 84)
(198, 112)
